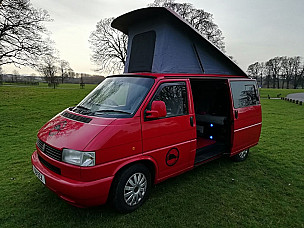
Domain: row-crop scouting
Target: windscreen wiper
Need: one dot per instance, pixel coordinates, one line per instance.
(82, 107)
(82, 110)
(112, 110)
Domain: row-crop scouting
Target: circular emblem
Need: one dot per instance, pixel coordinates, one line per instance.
(172, 157)
(58, 127)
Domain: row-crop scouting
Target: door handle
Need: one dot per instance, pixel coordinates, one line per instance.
(236, 114)
(191, 121)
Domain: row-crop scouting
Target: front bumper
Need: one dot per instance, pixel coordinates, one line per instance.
(77, 193)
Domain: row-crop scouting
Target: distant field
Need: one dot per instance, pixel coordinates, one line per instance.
(273, 93)
(267, 190)
(45, 85)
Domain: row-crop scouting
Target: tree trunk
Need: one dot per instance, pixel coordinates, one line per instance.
(295, 82)
(278, 82)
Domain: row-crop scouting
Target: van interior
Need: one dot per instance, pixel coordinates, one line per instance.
(212, 104)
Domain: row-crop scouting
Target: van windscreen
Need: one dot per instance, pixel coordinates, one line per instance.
(116, 97)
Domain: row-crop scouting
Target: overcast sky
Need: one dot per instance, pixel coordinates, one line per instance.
(253, 30)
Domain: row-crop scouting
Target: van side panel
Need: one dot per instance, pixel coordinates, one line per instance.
(247, 128)
(247, 114)
(170, 141)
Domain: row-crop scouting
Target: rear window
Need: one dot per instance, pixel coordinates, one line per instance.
(244, 93)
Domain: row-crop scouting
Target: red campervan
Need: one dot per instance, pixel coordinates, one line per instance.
(138, 129)
(135, 130)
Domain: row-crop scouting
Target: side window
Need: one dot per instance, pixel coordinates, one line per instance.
(175, 97)
(244, 93)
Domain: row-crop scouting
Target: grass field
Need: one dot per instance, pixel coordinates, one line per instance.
(273, 93)
(267, 190)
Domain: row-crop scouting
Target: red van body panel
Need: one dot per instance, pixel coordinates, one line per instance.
(176, 133)
(247, 124)
(167, 145)
(61, 132)
(78, 193)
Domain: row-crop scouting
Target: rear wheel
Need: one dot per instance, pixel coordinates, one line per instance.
(241, 156)
(131, 188)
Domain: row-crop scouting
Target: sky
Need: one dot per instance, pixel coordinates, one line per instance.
(254, 30)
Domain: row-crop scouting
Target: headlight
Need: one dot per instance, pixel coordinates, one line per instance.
(80, 158)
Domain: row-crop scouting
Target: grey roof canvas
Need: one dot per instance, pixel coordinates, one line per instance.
(163, 42)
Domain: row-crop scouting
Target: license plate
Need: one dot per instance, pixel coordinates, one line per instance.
(39, 175)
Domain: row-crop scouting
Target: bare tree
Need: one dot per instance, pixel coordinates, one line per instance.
(71, 74)
(256, 70)
(22, 33)
(64, 69)
(274, 68)
(287, 68)
(201, 20)
(297, 71)
(1, 74)
(48, 68)
(109, 46)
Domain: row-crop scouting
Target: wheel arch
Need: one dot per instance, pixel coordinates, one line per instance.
(147, 161)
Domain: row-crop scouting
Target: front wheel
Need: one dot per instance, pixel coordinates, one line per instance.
(241, 156)
(131, 188)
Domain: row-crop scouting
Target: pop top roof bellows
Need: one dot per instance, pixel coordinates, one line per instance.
(160, 41)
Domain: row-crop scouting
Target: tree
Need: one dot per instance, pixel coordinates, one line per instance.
(283, 68)
(22, 33)
(274, 68)
(48, 69)
(1, 74)
(256, 70)
(109, 46)
(71, 74)
(201, 20)
(287, 66)
(15, 76)
(65, 69)
(297, 71)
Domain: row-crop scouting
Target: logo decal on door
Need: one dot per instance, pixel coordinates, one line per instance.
(172, 156)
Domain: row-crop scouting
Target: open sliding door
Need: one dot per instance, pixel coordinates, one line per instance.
(247, 118)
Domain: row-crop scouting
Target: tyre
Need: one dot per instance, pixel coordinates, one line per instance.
(241, 156)
(131, 188)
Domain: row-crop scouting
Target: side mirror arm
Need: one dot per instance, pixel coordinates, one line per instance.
(151, 114)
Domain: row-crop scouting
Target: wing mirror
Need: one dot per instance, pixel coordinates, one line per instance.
(158, 109)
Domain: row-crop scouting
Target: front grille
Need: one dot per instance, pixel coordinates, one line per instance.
(49, 166)
(76, 117)
(49, 151)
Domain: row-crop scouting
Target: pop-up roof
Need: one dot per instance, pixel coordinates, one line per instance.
(160, 41)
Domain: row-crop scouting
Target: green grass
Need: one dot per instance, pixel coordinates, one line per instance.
(274, 92)
(267, 190)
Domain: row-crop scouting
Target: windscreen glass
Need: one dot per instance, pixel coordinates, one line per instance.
(116, 97)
